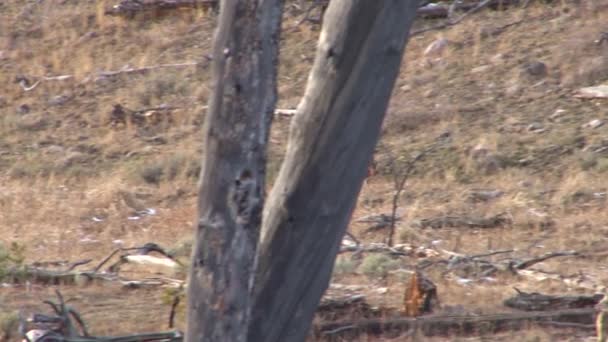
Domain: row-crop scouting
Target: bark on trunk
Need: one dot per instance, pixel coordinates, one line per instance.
(332, 138)
(231, 185)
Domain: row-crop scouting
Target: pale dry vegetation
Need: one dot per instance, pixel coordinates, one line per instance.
(64, 164)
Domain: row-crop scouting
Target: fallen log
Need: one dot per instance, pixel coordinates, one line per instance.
(336, 308)
(453, 325)
(495, 221)
(155, 8)
(540, 302)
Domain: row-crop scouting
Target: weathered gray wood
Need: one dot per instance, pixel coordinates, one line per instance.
(333, 135)
(231, 194)
(540, 302)
(442, 325)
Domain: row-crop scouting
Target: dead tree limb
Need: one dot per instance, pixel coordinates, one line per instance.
(540, 302)
(453, 325)
(401, 173)
(132, 8)
(449, 23)
(522, 265)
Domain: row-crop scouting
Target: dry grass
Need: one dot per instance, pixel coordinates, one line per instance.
(62, 163)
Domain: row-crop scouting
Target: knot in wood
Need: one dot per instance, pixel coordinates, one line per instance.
(245, 198)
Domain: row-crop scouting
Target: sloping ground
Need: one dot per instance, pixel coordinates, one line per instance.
(74, 169)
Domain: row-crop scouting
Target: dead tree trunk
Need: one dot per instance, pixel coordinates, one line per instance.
(333, 135)
(231, 194)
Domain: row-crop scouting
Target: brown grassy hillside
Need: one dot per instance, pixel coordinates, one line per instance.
(69, 164)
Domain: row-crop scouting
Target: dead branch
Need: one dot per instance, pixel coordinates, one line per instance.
(131, 8)
(376, 247)
(483, 255)
(435, 11)
(495, 221)
(452, 325)
(50, 277)
(142, 70)
(527, 263)
(26, 84)
(51, 273)
(378, 221)
(540, 302)
(475, 266)
(427, 11)
(353, 238)
(401, 173)
(449, 23)
(66, 324)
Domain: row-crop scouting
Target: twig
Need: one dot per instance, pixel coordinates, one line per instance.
(106, 259)
(172, 313)
(352, 237)
(527, 263)
(26, 88)
(78, 263)
(454, 325)
(24, 83)
(401, 176)
(338, 330)
(491, 253)
(141, 70)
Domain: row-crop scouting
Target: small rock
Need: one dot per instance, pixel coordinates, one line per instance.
(87, 36)
(30, 122)
(536, 127)
(524, 184)
(54, 149)
(480, 69)
(381, 290)
(482, 195)
(479, 151)
(498, 58)
(71, 159)
(429, 93)
(594, 123)
(488, 164)
(557, 114)
(535, 69)
(598, 92)
(58, 100)
(436, 48)
(513, 89)
(23, 109)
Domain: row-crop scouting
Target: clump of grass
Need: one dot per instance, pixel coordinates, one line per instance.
(168, 168)
(182, 248)
(11, 259)
(587, 161)
(345, 266)
(602, 165)
(378, 265)
(9, 323)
